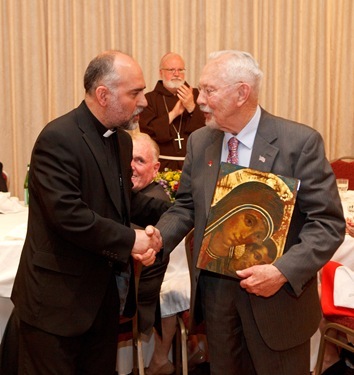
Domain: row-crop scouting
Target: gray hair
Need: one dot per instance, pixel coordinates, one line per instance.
(101, 71)
(154, 146)
(239, 66)
(168, 56)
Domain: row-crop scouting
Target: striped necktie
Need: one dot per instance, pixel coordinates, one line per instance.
(232, 144)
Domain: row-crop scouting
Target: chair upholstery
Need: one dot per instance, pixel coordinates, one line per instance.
(344, 168)
(330, 311)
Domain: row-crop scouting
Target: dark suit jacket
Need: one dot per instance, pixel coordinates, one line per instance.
(76, 232)
(283, 147)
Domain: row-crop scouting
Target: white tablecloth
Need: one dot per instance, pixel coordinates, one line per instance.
(12, 234)
(176, 289)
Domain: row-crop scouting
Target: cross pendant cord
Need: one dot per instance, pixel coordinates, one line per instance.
(178, 139)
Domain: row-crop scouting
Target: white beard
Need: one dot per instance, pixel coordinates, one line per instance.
(211, 123)
(176, 84)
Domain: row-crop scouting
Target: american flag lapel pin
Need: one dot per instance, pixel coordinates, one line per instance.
(262, 158)
(210, 163)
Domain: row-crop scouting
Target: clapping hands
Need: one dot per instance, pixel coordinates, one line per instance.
(147, 244)
(186, 101)
(185, 95)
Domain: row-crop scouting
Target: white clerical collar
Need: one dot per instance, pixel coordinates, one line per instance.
(109, 132)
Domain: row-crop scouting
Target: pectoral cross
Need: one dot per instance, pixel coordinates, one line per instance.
(179, 139)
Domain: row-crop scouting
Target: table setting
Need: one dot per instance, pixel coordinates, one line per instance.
(13, 228)
(345, 253)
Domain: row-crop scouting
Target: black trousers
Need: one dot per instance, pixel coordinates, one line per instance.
(9, 347)
(91, 353)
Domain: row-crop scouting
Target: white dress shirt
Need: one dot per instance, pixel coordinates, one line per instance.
(246, 139)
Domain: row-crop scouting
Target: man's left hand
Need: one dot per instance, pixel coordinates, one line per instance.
(185, 95)
(262, 280)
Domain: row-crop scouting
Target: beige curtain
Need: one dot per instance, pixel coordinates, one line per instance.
(304, 47)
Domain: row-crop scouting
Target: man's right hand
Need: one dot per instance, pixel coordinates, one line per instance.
(177, 110)
(150, 238)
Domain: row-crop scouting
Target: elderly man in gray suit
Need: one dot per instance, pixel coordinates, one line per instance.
(262, 323)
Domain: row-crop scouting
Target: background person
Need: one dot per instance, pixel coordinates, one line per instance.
(262, 324)
(172, 113)
(79, 239)
(145, 166)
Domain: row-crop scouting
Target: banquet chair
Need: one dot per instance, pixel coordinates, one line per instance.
(181, 341)
(128, 330)
(344, 168)
(181, 346)
(181, 352)
(340, 320)
(183, 319)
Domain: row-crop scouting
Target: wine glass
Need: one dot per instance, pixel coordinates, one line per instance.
(342, 184)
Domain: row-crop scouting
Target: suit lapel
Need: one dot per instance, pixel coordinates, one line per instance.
(262, 158)
(211, 166)
(264, 152)
(125, 158)
(96, 145)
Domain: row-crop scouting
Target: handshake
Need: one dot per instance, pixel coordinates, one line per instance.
(147, 244)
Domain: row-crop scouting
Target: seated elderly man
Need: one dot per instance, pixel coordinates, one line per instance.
(145, 166)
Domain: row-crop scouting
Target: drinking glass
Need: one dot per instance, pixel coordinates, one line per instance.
(342, 184)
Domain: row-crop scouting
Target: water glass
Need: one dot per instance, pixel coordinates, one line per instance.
(342, 184)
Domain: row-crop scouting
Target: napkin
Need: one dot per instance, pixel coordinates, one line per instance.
(343, 287)
(18, 233)
(10, 204)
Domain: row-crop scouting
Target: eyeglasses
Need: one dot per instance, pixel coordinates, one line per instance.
(172, 70)
(210, 91)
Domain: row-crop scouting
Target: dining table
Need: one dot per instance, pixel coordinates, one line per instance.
(13, 228)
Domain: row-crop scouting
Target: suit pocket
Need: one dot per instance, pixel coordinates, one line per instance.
(57, 263)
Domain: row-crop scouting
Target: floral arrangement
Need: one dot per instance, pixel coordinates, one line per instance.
(169, 180)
